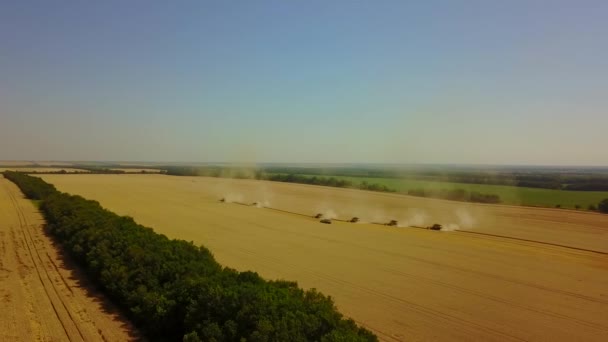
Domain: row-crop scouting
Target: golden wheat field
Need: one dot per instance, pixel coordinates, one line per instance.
(541, 276)
(41, 298)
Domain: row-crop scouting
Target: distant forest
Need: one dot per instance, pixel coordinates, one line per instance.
(456, 195)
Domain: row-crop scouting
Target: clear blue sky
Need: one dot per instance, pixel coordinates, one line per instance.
(493, 82)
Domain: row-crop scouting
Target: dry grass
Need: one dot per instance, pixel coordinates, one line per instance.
(42, 299)
(403, 283)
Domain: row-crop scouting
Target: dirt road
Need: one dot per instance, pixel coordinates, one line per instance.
(40, 298)
(405, 284)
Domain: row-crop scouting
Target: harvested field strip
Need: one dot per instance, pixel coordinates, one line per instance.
(42, 300)
(71, 329)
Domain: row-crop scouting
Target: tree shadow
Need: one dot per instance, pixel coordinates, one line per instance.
(82, 280)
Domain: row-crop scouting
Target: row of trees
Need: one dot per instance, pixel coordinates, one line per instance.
(456, 195)
(211, 171)
(80, 170)
(174, 290)
(587, 187)
(326, 181)
(375, 187)
(314, 180)
(32, 187)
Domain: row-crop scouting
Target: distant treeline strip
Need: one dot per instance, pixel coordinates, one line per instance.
(276, 177)
(545, 179)
(50, 171)
(79, 170)
(325, 181)
(456, 195)
(173, 290)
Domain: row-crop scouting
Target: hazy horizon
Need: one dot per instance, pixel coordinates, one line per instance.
(389, 82)
(331, 165)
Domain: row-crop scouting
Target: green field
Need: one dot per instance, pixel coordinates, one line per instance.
(508, 194)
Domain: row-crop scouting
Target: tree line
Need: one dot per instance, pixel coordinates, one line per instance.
(174, 290)
(80, 170)
(337, 182)
(314, 180)
(456, 195)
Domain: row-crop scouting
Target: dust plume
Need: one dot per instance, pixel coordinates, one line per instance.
(465, 219)
(414, 218)
(234, 197)
(329, 214)
(262, 204)
(450, 227)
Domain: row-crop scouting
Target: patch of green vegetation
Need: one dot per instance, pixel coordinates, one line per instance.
(512, 195)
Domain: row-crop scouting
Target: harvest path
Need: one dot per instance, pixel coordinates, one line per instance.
(404, 284)
(41, 300)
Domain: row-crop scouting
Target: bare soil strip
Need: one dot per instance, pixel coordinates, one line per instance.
(41, 298)
(404, 284)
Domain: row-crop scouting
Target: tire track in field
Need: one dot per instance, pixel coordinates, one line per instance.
(497, 299)
(533, 241)
(472, 327)
(33, 324)
(50, 291)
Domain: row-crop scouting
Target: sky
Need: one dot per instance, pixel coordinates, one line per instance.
(464, 82)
